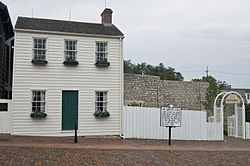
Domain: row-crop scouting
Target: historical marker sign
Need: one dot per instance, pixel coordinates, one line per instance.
(232, 99)
(170, 117)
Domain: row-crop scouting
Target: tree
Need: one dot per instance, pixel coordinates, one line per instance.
(128, 66)
(147, 69)
(214, 88)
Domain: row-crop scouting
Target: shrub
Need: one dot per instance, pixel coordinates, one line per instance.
(225, 130)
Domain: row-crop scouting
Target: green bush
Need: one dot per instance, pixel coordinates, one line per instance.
(225, 130)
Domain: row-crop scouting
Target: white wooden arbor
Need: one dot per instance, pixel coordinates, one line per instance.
(236, 121)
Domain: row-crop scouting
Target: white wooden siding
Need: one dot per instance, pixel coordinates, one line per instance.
(55, 77)
(144, 123)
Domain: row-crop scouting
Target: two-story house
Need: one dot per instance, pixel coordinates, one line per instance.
(67, 73)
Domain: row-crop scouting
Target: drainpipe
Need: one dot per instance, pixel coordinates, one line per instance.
(10, 71)
(121, 89)
(8, 42)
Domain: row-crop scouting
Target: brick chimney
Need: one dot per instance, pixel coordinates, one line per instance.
(107, 16)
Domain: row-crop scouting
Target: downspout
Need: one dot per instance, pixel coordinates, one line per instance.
(10, 72)
(8, 43)
(121, 88)
(13, 83)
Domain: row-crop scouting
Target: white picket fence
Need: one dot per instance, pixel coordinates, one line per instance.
(6, 117)
(247, 130)
(144, 123)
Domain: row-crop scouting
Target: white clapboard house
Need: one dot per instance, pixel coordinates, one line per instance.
(67, 73)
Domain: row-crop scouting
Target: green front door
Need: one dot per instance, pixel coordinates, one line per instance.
(69, 110)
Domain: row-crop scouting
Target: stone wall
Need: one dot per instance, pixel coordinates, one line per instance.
(184, 94)
(150, 91)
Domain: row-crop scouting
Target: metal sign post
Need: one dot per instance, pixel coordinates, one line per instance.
(76, 133)
(76, 127)
(169, 136)
(170, 117)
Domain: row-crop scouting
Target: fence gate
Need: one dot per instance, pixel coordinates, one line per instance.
(236, 123)
(231, 124)
(5, 118)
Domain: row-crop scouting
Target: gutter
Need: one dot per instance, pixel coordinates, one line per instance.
(67, 33)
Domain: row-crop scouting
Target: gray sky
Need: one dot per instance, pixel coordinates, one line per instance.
(185, 34)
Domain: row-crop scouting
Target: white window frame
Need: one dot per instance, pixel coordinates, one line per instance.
(103, 101)
(68, 50)
(45, 99)
(39, 49)
(106, 52)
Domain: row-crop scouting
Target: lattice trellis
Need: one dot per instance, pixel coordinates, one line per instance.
(217, 114)
(231, 123)
(239, 126)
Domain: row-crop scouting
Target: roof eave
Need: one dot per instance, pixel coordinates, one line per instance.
(68, 33)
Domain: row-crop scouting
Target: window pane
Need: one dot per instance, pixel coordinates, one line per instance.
(105, 106)
(42, 96)
(105, 96)
(33, 96)
(35, 43)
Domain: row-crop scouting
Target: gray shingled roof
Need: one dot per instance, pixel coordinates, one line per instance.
(67, 26)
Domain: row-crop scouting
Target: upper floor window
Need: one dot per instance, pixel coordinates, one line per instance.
(70, 51)
(101, 51)
(39, 49)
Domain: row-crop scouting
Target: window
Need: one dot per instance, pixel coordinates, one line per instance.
(3, 106)
(101, 51)
(38, 101)
(101, 101)
(70, 51)
(39, 49)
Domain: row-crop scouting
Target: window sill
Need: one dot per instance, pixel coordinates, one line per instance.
(71, 62)
(39, 61)
(102, 64)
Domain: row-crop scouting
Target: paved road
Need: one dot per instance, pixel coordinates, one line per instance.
(114, 152)
(60, 156)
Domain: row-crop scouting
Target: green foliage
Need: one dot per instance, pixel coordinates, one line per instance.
(225, 130)
(247, 112)
(99, 114)
(164, 73)
(215, 87)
